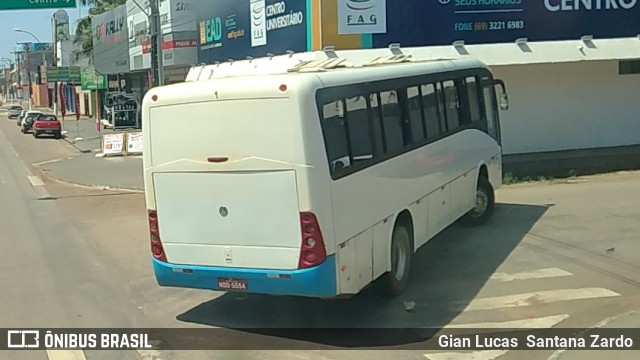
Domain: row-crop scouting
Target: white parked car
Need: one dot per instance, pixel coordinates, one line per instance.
(22, 118)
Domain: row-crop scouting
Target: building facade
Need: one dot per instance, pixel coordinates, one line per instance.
(30, 58)
(572, 69)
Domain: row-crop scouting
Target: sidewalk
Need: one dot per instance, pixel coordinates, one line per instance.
(82, 134)
(82, 141)
(108, 172)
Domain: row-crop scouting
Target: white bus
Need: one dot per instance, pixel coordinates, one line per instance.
(320, 180)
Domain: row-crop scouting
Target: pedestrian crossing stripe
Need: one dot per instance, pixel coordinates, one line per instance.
(536, 274)
(537, 298)
(533, 323)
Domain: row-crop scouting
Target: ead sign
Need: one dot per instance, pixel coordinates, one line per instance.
(362, 16)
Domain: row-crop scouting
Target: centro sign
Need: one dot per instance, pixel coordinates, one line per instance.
(577, 5)
(36, 4)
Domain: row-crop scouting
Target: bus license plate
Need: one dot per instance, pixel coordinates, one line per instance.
(232, 284)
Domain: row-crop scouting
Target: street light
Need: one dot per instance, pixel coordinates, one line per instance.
(27, 32)
(44, 60)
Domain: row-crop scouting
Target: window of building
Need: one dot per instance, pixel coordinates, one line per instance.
(628, 67)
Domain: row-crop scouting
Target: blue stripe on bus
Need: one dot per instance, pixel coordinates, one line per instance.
(319, 281)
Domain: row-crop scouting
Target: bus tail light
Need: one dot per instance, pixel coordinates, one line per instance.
(312, 250)
(154, 232)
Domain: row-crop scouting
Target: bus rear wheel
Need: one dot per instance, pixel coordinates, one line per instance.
(394, 282)
(484, 204)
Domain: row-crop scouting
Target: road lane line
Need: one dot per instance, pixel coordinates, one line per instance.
(476, 355)
(536, 274)
(534, 323)
(35, 180)
(66, 355)
(538, 297)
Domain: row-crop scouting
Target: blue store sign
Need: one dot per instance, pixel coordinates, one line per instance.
(235, 29)
(441, 22)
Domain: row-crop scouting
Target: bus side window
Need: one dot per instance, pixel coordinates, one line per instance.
(359, 130)
(335, 135)
(375, 113)
(431, 105)
(491, 110)
(416, 114)
(473, 94)
(452, 104)
(392, 121)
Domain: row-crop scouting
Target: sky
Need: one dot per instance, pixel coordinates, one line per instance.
(36, 21)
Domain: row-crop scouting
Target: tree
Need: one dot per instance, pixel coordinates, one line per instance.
(84, 30)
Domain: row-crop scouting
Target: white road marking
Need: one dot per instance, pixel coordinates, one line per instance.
(35, 181)
(476, 355)
(2, 180)
(534, 323)
(536, 274)
(538, 297)
(66, 355)
(599, 325)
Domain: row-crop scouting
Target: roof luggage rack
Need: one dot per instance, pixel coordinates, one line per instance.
(394, 59)
(319, 65)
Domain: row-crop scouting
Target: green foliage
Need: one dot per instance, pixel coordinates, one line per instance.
(510, 179)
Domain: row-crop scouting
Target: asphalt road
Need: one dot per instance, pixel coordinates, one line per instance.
(74, 257)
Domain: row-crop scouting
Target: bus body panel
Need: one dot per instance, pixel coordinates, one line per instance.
(248, 219)
(319, 281)
(277, 167)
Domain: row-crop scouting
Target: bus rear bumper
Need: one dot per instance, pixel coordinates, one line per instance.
(319, 281)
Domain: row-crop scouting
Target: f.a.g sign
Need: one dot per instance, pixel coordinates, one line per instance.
(362, 16)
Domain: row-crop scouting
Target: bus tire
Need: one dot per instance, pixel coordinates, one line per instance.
(394, 282)
(485, 203)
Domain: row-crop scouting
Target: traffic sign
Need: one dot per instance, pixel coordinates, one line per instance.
(31, 4)
(64, 74)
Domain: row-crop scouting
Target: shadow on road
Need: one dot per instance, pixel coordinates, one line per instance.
(447, 273)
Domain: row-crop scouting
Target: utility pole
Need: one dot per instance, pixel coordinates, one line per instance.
(55, 64)
(29, 78)
(157, 63)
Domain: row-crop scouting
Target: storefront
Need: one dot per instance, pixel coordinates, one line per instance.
(179, 42)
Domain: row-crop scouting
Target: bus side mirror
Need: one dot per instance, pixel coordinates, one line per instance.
(504, 101)
(504, 98)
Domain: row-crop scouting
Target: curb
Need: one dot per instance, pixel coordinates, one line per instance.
(72, 143)
(47, 176)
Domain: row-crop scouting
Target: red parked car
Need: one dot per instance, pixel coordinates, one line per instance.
(47, 124)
